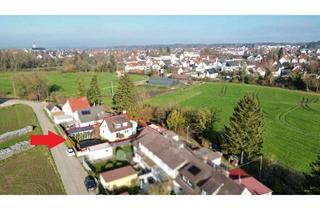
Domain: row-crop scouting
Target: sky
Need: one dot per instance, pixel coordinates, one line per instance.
(108, 31)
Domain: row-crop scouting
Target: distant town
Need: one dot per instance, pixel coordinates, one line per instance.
(293, 66)
(153, 126)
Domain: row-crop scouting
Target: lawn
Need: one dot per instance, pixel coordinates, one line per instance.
(292, 118)
(15, 117)
(67, 82)
(32, 171)
(115, 162)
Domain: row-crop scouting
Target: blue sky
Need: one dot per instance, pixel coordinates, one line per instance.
(104, 31)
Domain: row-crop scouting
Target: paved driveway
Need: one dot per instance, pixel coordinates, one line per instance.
(71, 172)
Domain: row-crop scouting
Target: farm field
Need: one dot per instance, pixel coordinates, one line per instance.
(292, 118)
(32, 171)
(67, 82)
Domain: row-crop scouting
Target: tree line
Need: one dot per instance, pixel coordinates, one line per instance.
(17, 60)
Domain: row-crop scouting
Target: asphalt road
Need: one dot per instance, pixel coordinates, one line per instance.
(71, 172)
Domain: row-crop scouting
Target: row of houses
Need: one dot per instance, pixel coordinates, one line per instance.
(192, 172)
(92, 129)
(157, 150)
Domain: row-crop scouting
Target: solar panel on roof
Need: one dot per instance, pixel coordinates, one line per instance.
(194, 170)
(85, 112)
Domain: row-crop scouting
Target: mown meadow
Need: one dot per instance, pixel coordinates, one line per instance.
(292, 118)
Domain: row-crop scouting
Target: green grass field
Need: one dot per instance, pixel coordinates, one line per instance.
(32, 171)
(15, 117)
(292, 118)
(68, 82)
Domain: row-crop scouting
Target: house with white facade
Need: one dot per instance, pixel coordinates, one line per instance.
(94, 149)
(52, 109)
(157, 148)
(72, 105)
(117, 127)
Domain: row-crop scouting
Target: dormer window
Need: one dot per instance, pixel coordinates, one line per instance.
(125, 124)
(116, 125)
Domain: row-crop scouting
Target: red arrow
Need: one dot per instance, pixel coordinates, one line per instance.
(51, 140)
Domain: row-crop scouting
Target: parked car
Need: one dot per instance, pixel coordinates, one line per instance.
(90, 183)
(70, 152)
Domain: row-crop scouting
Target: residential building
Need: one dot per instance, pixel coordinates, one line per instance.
(72, 105)
(117, 178)
(90, 116)
(53, 110)
(253, 185)
(94, 149)
(117, 127)
(60, 119)
(157, 148)
(208, 156)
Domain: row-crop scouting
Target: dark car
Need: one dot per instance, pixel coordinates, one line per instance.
(90, 183)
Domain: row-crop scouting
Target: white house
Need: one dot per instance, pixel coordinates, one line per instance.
(161, 149)
(59, 119)
(96, 152)
(72, 105)
(118, 127)
(52, 109)
(154, 143)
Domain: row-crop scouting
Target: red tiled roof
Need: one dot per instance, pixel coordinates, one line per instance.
(252, 184)
(238, 172)
(78, 103)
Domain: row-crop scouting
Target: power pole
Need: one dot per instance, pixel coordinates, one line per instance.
(260, 169)
(241, 159)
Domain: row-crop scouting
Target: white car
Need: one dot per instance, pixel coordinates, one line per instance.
(70, 152)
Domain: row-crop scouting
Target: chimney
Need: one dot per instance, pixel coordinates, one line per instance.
(205, 159)
(175, 137)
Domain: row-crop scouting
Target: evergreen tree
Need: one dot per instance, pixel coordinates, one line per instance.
(94, 93)
(125, 97)
(313, 179)
(81, 87)
(245, 130)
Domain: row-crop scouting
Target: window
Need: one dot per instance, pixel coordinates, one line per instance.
(116, 125)
(126, 131)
